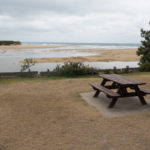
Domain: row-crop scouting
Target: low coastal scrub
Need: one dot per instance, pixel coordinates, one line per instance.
(10, 43)
(74, 69)
(144, 51)
(145, 67)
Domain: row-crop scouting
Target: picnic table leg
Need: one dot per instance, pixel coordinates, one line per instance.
(104, 81)
(97, 91)
(113, 102)
(115, 99)
(141, 97)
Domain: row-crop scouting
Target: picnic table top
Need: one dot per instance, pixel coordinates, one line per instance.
(121, 79)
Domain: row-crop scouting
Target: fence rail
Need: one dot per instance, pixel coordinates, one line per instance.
(31, 74)
(34, 74)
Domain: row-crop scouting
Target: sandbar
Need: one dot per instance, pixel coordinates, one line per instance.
(28, 46)
(103, 56)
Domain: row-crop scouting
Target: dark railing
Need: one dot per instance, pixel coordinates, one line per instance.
(34, 74)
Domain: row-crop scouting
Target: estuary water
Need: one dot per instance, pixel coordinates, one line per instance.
(10, 59)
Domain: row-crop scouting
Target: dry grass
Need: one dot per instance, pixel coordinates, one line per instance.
(50, 115)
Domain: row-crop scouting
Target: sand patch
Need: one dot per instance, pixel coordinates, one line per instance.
(24, 46)
(103, 56)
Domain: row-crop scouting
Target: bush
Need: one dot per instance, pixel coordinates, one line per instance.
(126, 70)
(144, 49)
(107, 71)
(145, 67)
(74, 69)
(27, 63)
(115, 70)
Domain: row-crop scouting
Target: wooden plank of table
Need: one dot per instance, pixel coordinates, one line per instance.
(105, 90)
(121, 79)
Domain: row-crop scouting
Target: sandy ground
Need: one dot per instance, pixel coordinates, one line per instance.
(50, 115)
(24, 46)
(104, 56)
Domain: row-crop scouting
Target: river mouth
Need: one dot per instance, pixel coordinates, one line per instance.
(10, 58)
(14, 65)
(43, 53)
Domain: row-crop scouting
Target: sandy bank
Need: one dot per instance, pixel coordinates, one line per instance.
(24, 46)
(104, 56)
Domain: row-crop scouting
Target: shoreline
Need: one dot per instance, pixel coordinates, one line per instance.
(28, 46)
(103, 55)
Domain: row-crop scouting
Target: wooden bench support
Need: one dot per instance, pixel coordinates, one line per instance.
(113, 102)
(142, 100)
(140, 94)
(96, 93)
(110, 94)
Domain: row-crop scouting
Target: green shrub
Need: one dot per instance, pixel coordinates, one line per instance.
(107, 71)
(145, 67)
(115, 70)
(126, 70)
(74, 69)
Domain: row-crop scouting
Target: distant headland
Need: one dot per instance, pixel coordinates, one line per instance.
(10, 43)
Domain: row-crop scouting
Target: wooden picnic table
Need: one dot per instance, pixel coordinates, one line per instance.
(122, 85)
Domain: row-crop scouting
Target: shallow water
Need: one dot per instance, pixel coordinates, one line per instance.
(9, 59)
(14, 66)
(42, 53)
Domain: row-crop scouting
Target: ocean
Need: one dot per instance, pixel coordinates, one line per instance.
(72, 45)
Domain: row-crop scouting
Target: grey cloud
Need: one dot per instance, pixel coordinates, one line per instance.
(73, 20)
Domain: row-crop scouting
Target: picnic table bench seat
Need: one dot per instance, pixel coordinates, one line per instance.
(101, 88)
(144, 91)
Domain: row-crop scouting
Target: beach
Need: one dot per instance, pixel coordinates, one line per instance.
(28, 46)
(102, 55)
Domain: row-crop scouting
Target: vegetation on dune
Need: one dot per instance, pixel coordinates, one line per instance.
(10, 43)
(74, 69)
(144, 51)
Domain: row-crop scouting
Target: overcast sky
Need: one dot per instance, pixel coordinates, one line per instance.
(73, 20)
